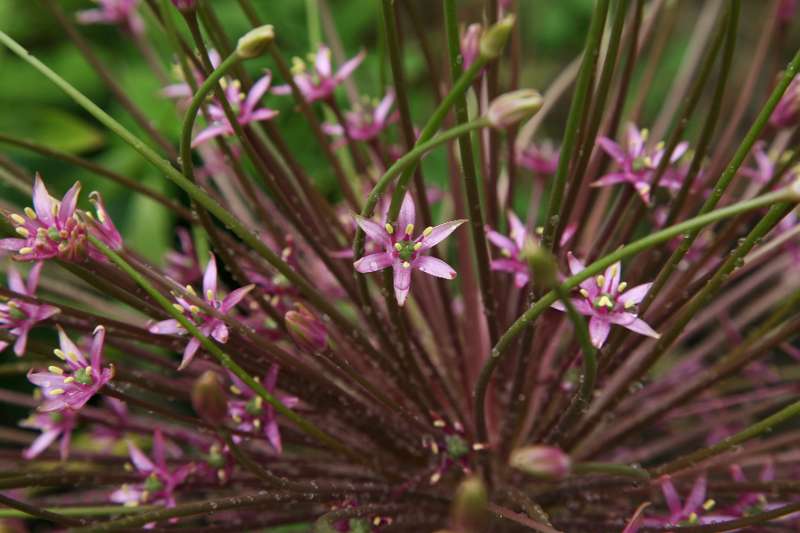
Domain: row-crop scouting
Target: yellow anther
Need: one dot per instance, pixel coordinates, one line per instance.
(389, 229)
(30, 213)
(709, 504)
(584, 293)
(434, 448)
(56, 392)
(209, 295)
(427, 231)
(505, 253)
(605, 301)
(539, 230)
(58, 353)
(236, 390)
(72, 356)
(26, 250)
(88, 369)
(194, 309)
(17, 218)
(259, 402)
(409, 229)
(376, 521)
(613, 270)
(23, 231)
(435, 478)
(438, 423)
(398, 246)
(222, 475)
(69, 380)
(630, 304)
(257, 423)
(191, 290)
(479, 446)
(648, 161)
(237, 419)
(178, 307)
(55, 370)
(644, 134)
(601, 280)
(622, 286)
(693, 518)
(406, 264)
(660, 145)
(418, 246)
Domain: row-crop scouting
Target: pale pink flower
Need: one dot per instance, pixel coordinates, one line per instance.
(470, 44)
(322, 81)
(52, 425)
(121, 13)
(404, 253)
(367, 124)
(541, 159)
(510, 249)
(82, 379)
(607, 300)
(209, 325)
(20, 316)
(787, 112)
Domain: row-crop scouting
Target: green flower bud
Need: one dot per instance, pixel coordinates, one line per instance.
(495, 38)
(541, 461)
(510, 108)
(255, 42)
(469, 510)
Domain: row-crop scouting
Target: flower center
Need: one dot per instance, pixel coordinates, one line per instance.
(640, 163)
(84, 376)
(406, 249)
(604, 301)
(456, 446)
(153, 484)
(254, 406)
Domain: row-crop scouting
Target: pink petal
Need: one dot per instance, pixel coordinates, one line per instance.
(262, 114)
(271, 378)
(374, 231)
(641, 327)
(402, 283)
(501, 241)
(15, 282)
(612, 149)
(610, 179)
(68, 203)
(68, 347)
(210, 132)
(670, 495)
(41, 443)
(12, 244)
(382, 111)
(220, 333)
(373, 262)
(42, 202)
(63, 446)
(636, 294)
(233, 299)
(33, 278)
(21, 343)
(349, 66)
(332, 129)
(96, 351)
(274, 436)
(407, 214)
(679, 150)
(434, 267)
(256, 93)
(189, 352)
(210, 280)
(159, 450)
(575, 265)
(507, 265)
(440, 233)
(634, 140)
(282, 90)
(322, 63)
(166, 327)
(139, 459)
(612, 276)
(598, 331)
(696, 497)
(518, 231)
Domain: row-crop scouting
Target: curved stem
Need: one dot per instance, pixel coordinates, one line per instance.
(499, 350)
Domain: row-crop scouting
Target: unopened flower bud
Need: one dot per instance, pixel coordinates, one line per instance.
(470, 44)
(469, 510)
(496, 37)
(255, 42)
(510, 108)
(793, 190)
(541, 461)
(208, 398)
(306, 330)
(541, 263)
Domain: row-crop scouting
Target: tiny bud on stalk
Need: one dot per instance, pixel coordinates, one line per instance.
(306, 330)
(469, 511)
(510, 108)
(495, 38)
(541, 461)
(255, 42)
(208, 398)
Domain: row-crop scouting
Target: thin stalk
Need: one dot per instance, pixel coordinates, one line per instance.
(579, 99)
(44, 514)
(739, 524)
(500, 350)
(476, 221)
(249, 11)
(92, 510)
(611, 469)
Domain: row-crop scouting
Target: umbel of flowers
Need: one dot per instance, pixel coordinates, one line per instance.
(405, 291)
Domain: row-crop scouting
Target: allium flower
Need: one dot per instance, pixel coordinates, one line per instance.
(787, 112)
(245, 108)
(368, 124)
(118, 12)
(321, 83)
(182, 89)
(694, 510)
(159, 481)
(470, 44)
(450, 448)
(19, 316)
(53, 229)
(541, 159)
(209, 325)
(404, 253)
(510, 248)
(73, 387)
(52, 425)
(637, 164)
(608, 301)
(251, 414)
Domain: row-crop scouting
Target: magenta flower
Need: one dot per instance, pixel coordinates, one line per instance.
(73, 387)
(320, 84)
(245, 108)
(694, 510)
(251, 414)
(637, 163)
(159, 482)
(765, 167)
(541, 159)
(53, 229)
(787, 112)
(365, 125)
(510, 249)
(402, 252)
(19, 316)
(470, 44)
(450, 449)
(117, 12)
(605, 299)
(209, 325)
(52, 425)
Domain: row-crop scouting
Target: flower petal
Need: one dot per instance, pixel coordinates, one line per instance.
(440, 233)
(210, 280)
(517, 230)
(402, 283)
(41, 443)
(166, 327)
(189, 352)
(434, 267)
(501, 241)
(598, 330)
(349, 66)
(382, 111)
(322, 61)
(96, 350)
(407, 214)
(575, 264)
(69, 348)
(374, 231)
(233, 299)
(373, 262)
(68, 203)
(256, 93)
(42, 202)
(210, 132)
(610, 179)
(612, 149)
(139, 459)
(635, 295)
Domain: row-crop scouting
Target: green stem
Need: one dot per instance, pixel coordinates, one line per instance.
(303, 424)
(582, 89)
(764, 426)
(724, 180)
(500, 349)
(740, 524)
(612, 469)
(471, 190)
(92, 510)
(313, 24)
